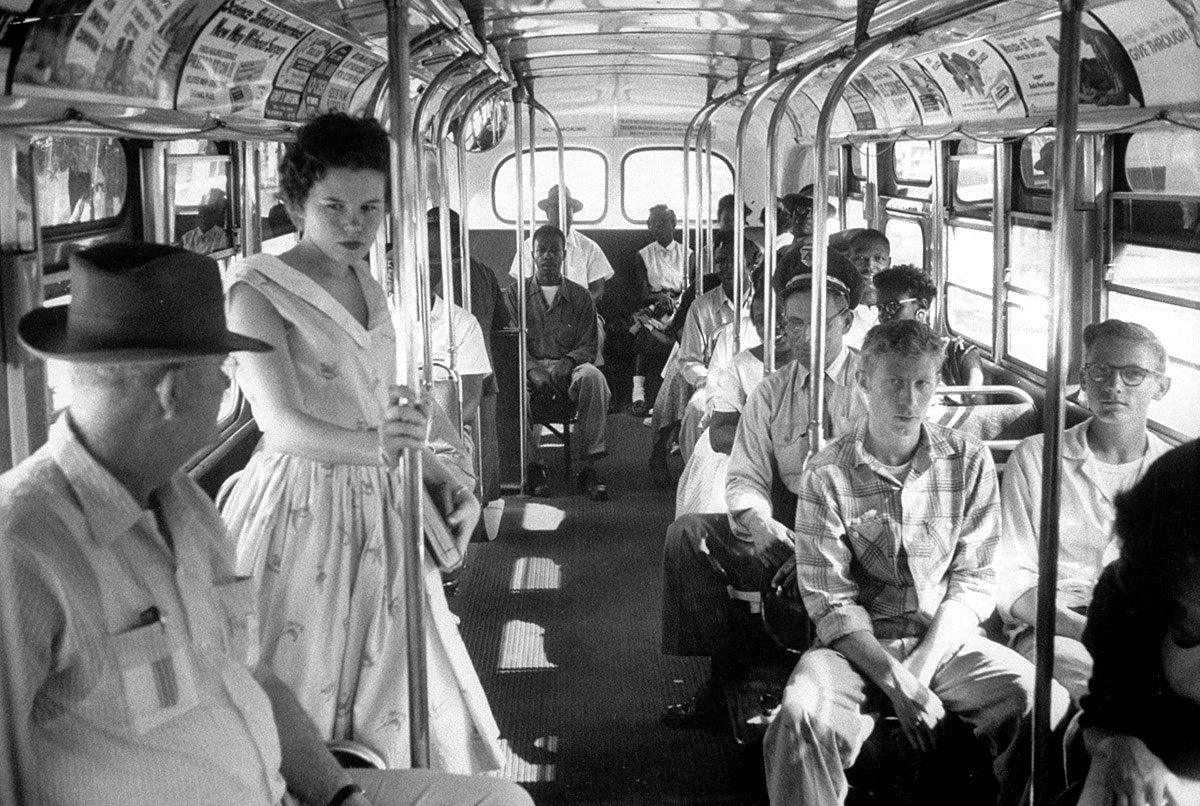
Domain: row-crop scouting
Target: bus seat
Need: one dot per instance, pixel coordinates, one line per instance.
(1000, 425)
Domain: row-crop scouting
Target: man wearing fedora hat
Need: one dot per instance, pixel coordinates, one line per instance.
(130, 671)
(585, 263)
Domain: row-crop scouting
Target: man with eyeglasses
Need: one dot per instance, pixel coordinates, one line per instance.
(706, 555)
(1101, 457)
(906, 292)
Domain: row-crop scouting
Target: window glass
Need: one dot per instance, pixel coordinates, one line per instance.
(199, 214)
(907, 240)
(969, 314)
(912, 161)
(586, 175)
(1031, 252)
(1164, 162)
(651, 176)
(79, 179)
(856, 214)
(1163, 271)
(275, 221)
(192, 147)
(858, 169)
(970, 258)
(971, 174)
(1037, 161)
(1028, 323)
(1158, 222)
(1177, 328)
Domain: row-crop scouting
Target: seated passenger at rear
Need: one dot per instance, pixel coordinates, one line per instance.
(906, 292)
(870, 251)
(1143, 703)
(561, 341)
(584, 262)
(896, 524)
(707, 553)
(1101, 457)
(659, 278)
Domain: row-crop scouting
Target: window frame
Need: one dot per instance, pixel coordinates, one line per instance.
(129, 204)
(678, 150)
(576, 221)
(891, 183)
(231, 193)
(1034, 221)
(981, 225)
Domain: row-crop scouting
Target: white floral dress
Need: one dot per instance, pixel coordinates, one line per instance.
(318, 537)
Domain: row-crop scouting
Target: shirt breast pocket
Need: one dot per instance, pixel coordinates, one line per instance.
(157, 675)
(792, 458)
(239, 606)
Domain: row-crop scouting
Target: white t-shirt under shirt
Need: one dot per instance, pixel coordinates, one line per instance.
(550, 293)
(585, 262)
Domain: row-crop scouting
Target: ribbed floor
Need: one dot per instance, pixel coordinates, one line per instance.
(561, 616)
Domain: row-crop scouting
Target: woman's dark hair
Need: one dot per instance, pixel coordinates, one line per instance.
(906, 279)
(333, 140)
(1158, 520)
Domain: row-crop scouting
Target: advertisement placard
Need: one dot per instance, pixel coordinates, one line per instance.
(1162, 41)
(976, 81)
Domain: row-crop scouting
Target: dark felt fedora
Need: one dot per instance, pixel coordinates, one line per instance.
(136, 303)
(552, 198)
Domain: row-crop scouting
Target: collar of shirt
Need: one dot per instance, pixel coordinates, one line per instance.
(666, 250)
(931, 446)
(107, 505)
(835, 371)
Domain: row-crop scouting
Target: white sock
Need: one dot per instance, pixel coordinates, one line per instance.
(639, 388)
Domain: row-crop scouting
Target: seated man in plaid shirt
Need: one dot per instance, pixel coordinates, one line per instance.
(896, 524)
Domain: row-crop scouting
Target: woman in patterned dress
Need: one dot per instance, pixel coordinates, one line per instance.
(316, 511)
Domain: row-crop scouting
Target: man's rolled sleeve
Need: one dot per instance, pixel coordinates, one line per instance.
(972, 575)
(1016, 558)
(823, 559)
(691, 348)
(748, 481)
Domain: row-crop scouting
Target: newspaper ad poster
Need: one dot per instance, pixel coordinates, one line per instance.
(348, 77)
(931, 101)
(976, 81)
(111, 47)
(233, 63)
(1106, 74)
(283, 102)
(1162, 40)
(889, 98)
(860, 107)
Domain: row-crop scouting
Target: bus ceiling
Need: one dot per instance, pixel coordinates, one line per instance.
(250, 68)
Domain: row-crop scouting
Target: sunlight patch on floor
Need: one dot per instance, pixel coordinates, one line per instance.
(539, 768)
(541, 517)
(535, 574)
(523, 647)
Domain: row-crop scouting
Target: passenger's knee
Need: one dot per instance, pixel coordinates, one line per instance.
(804, 712)
(588, 374)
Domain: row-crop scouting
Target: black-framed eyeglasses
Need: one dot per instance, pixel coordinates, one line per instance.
(891, 309)
(1131, 374)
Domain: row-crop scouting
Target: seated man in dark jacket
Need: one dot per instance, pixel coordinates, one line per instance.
(561, 342)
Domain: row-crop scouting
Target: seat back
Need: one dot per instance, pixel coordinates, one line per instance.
(1001, 425)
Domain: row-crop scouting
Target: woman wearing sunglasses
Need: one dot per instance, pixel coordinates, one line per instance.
(906, 292)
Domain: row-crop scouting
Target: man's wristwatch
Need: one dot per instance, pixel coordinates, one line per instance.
(344, 794)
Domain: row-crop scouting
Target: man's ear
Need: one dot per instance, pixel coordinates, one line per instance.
(169, 392)
(861, 376)
(1164, 386)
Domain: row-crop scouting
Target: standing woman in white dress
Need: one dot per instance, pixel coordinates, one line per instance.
(316, 511)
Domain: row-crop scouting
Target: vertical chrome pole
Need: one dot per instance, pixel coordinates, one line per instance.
(709, 246)
(562, 164)
(1067, 266)
(523, 259)
(703, 206)
(739, 217)
(820, 256)
(411, 472)
(448, 280)
(532, 135)
(687, 188)
(464, 234)
(771, 181)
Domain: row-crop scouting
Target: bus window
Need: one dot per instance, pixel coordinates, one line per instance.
(1164, 162)
(1037, 162)
(586, 173)
(907, 239)
(856, 213)
(969, 282)
(912, 162)
(199, 213)
(1028, 293)
(277, 227)
(79, 179)
(971, 174)
(651, 176)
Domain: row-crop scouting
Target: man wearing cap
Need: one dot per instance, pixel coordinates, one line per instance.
(585, 263)
(706, 555)
(131, 677)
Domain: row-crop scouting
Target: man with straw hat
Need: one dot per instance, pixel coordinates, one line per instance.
(129, 662)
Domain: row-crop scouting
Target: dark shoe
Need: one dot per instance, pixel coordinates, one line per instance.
(591, 485)
(639, 408)
(705, 710)
(660, 473)
(536, 482)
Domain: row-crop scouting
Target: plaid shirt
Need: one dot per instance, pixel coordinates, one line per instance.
(869, 548)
